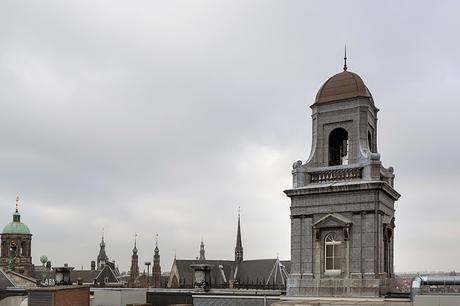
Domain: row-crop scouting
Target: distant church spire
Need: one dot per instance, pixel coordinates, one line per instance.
(202, 252)
(345, 59)
(135, 244)
(134, 271)
(239, 244)
(102, 258)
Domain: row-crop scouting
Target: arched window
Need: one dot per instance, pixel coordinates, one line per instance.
(369, 141)
(338, 147)
(332, 253)
(23, 249)
(387, 235)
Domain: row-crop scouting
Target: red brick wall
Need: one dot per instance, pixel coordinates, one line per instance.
(72, 297)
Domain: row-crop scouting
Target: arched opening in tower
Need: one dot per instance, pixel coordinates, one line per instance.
(370, 141)
(338, 147)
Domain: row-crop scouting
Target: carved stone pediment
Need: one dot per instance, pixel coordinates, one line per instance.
(332, 220)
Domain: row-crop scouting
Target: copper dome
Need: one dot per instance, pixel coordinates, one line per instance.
(343, 85)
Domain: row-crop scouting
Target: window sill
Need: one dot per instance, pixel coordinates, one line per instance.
(332, 272)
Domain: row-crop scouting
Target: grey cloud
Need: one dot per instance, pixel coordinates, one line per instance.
(148, 117)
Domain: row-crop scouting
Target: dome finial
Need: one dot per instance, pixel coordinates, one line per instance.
(17, 215)
(345, 59)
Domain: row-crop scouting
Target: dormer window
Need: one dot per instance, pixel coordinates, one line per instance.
(338, 147)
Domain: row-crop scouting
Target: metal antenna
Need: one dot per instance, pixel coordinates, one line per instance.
(345, 59)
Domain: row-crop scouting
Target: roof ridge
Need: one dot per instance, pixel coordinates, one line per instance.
(8, 278)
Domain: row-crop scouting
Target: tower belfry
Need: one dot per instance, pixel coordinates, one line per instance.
(16, 245)
(342, 199)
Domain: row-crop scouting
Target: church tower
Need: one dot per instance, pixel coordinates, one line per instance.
(134, 274)
(239, 244)
(16, 241)
(156, 270)
(342, 199)
(102, 258)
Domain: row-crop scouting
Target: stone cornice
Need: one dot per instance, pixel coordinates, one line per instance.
(343, 187)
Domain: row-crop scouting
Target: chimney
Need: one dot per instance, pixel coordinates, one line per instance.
(93, 265)
(62, 275)
(202, 279)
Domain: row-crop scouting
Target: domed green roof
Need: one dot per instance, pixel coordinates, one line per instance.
(16, 227)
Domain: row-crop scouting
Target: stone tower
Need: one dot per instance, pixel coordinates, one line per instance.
(102, 258)
(134, 274)
(156, 270)
(16, 245)
(202, 251)
(342, 199)
(239, 244)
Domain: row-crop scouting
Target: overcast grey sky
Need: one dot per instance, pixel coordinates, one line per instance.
(151, 116)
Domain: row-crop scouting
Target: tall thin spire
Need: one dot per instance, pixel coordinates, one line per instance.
(135, 244)
(17, 204)
(345, 59)
(134, 271)
(239, 244)
(202, 252)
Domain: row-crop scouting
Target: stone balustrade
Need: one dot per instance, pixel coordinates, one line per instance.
(334, 175)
